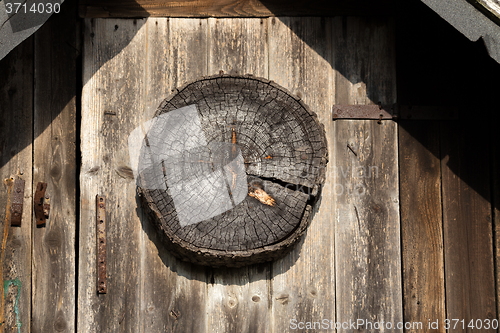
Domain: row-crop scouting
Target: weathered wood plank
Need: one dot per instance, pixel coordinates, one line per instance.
(238, 46)
(421, 223)
(364, 60)
(238, 299)
(54, 162)
(232, 8)
(303, 283)
(112, 102)
(496, 203)
(16, 130)
(367, 224)
(173, 292)
(367, 241)
(468, 248)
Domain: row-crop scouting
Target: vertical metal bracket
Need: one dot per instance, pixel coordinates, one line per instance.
(42, 204)
(16, 207)
(101, 244)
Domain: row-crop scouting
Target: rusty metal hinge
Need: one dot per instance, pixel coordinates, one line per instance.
(42, 204)
(101, 244)
(381, 112)
(16, 207)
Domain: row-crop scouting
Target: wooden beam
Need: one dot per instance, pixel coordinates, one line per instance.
(232, 8)
(366, 187)
(421, 223)
(54, 162)
(303, 282)
(467, 222)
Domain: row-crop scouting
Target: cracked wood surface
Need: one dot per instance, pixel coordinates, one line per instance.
(284, 149)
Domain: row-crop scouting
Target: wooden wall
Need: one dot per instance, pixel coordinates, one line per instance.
(406, 229)
(38, 105)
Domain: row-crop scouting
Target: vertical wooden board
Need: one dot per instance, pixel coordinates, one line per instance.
(112, 101)
(157, 280)
(367, 224)
(365, 70)
(16, 121)
(421, 223)
(238, 46)
(238, 299)
(173, 293)
(468, 248)
(367, 240)
(496, 203)
(54, 162)
(303, 282)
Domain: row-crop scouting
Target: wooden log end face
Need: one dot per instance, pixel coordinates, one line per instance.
(230, 169)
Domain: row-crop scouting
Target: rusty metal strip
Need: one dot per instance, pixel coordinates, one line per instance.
(41, 204)
(16, 207)
(101, 244)
(375, 112)
(394, 112)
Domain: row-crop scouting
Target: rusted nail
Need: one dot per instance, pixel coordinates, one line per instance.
(352, 150)
(101, 244)
(175, 314)
(42, 207)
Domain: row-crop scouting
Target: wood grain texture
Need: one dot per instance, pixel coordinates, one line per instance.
(238, 299)
(367, 237)
(367, 222)
(109, 81)
(468, 248)
(496, 205)
(364, 60)
(148, 290)
(495, 149)
(173, 292)
(16, 130)
(303, 282)
(288, 168)
(232, 8)
(421, 223)
(54, 162)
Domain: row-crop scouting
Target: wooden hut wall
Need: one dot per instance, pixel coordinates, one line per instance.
(406, 227)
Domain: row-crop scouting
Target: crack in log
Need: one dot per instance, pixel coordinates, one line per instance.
(294, 187)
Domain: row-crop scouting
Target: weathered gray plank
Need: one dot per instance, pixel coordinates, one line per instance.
(367, 225)
(172, 292)
(112, 102)
(303, 283)
(468, 238)
(16, 130)
(421, 223)
(238, 299)
(54, 162)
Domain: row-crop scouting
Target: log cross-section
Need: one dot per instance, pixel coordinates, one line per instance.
(230, 169)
